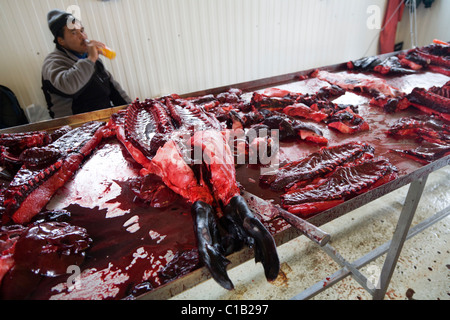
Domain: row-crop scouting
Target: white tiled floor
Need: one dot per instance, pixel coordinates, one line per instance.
(422, 271)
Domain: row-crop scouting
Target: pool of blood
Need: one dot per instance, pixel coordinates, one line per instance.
(137, 248)
(132, 243)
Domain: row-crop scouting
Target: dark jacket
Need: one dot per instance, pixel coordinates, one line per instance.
(75, 85)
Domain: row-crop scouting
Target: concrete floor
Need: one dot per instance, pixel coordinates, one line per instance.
(422, 271)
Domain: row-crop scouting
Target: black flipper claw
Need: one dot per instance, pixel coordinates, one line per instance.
(264, 244)
(208, 240)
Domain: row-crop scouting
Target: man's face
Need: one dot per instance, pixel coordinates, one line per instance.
(74, 39)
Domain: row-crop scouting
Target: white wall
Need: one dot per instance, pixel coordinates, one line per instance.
(181, 46)
(432, 23)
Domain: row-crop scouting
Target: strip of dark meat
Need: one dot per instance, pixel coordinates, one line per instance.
(347, 121)
(342, 184)
(23, 140)
(290, 127)
(317, 164)
(435, 57)
(358, 82)
(434, 101)
(442, 91)
(432, 133)
(422, 127)
(389, 65)
(432, 56)
(272, 103)
(12, 145)
(303, 111)
(31, 189)
(426, 152)
(430, 100)
(438, 69)
(412, 61)
(390, 105)
(318, 108)
(364, 64)
(392, 65)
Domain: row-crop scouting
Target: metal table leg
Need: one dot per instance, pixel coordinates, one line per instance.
(399, 237)
(369, 257)
(392, 247)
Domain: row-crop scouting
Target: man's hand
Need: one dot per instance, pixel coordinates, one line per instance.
(94, 48)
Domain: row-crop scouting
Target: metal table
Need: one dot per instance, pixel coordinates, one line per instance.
(416, 179)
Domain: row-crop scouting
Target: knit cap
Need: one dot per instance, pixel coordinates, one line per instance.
(56, 20)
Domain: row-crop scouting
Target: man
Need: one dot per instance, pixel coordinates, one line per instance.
(74, 79)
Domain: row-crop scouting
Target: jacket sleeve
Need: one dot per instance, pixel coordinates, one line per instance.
(69, 79)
